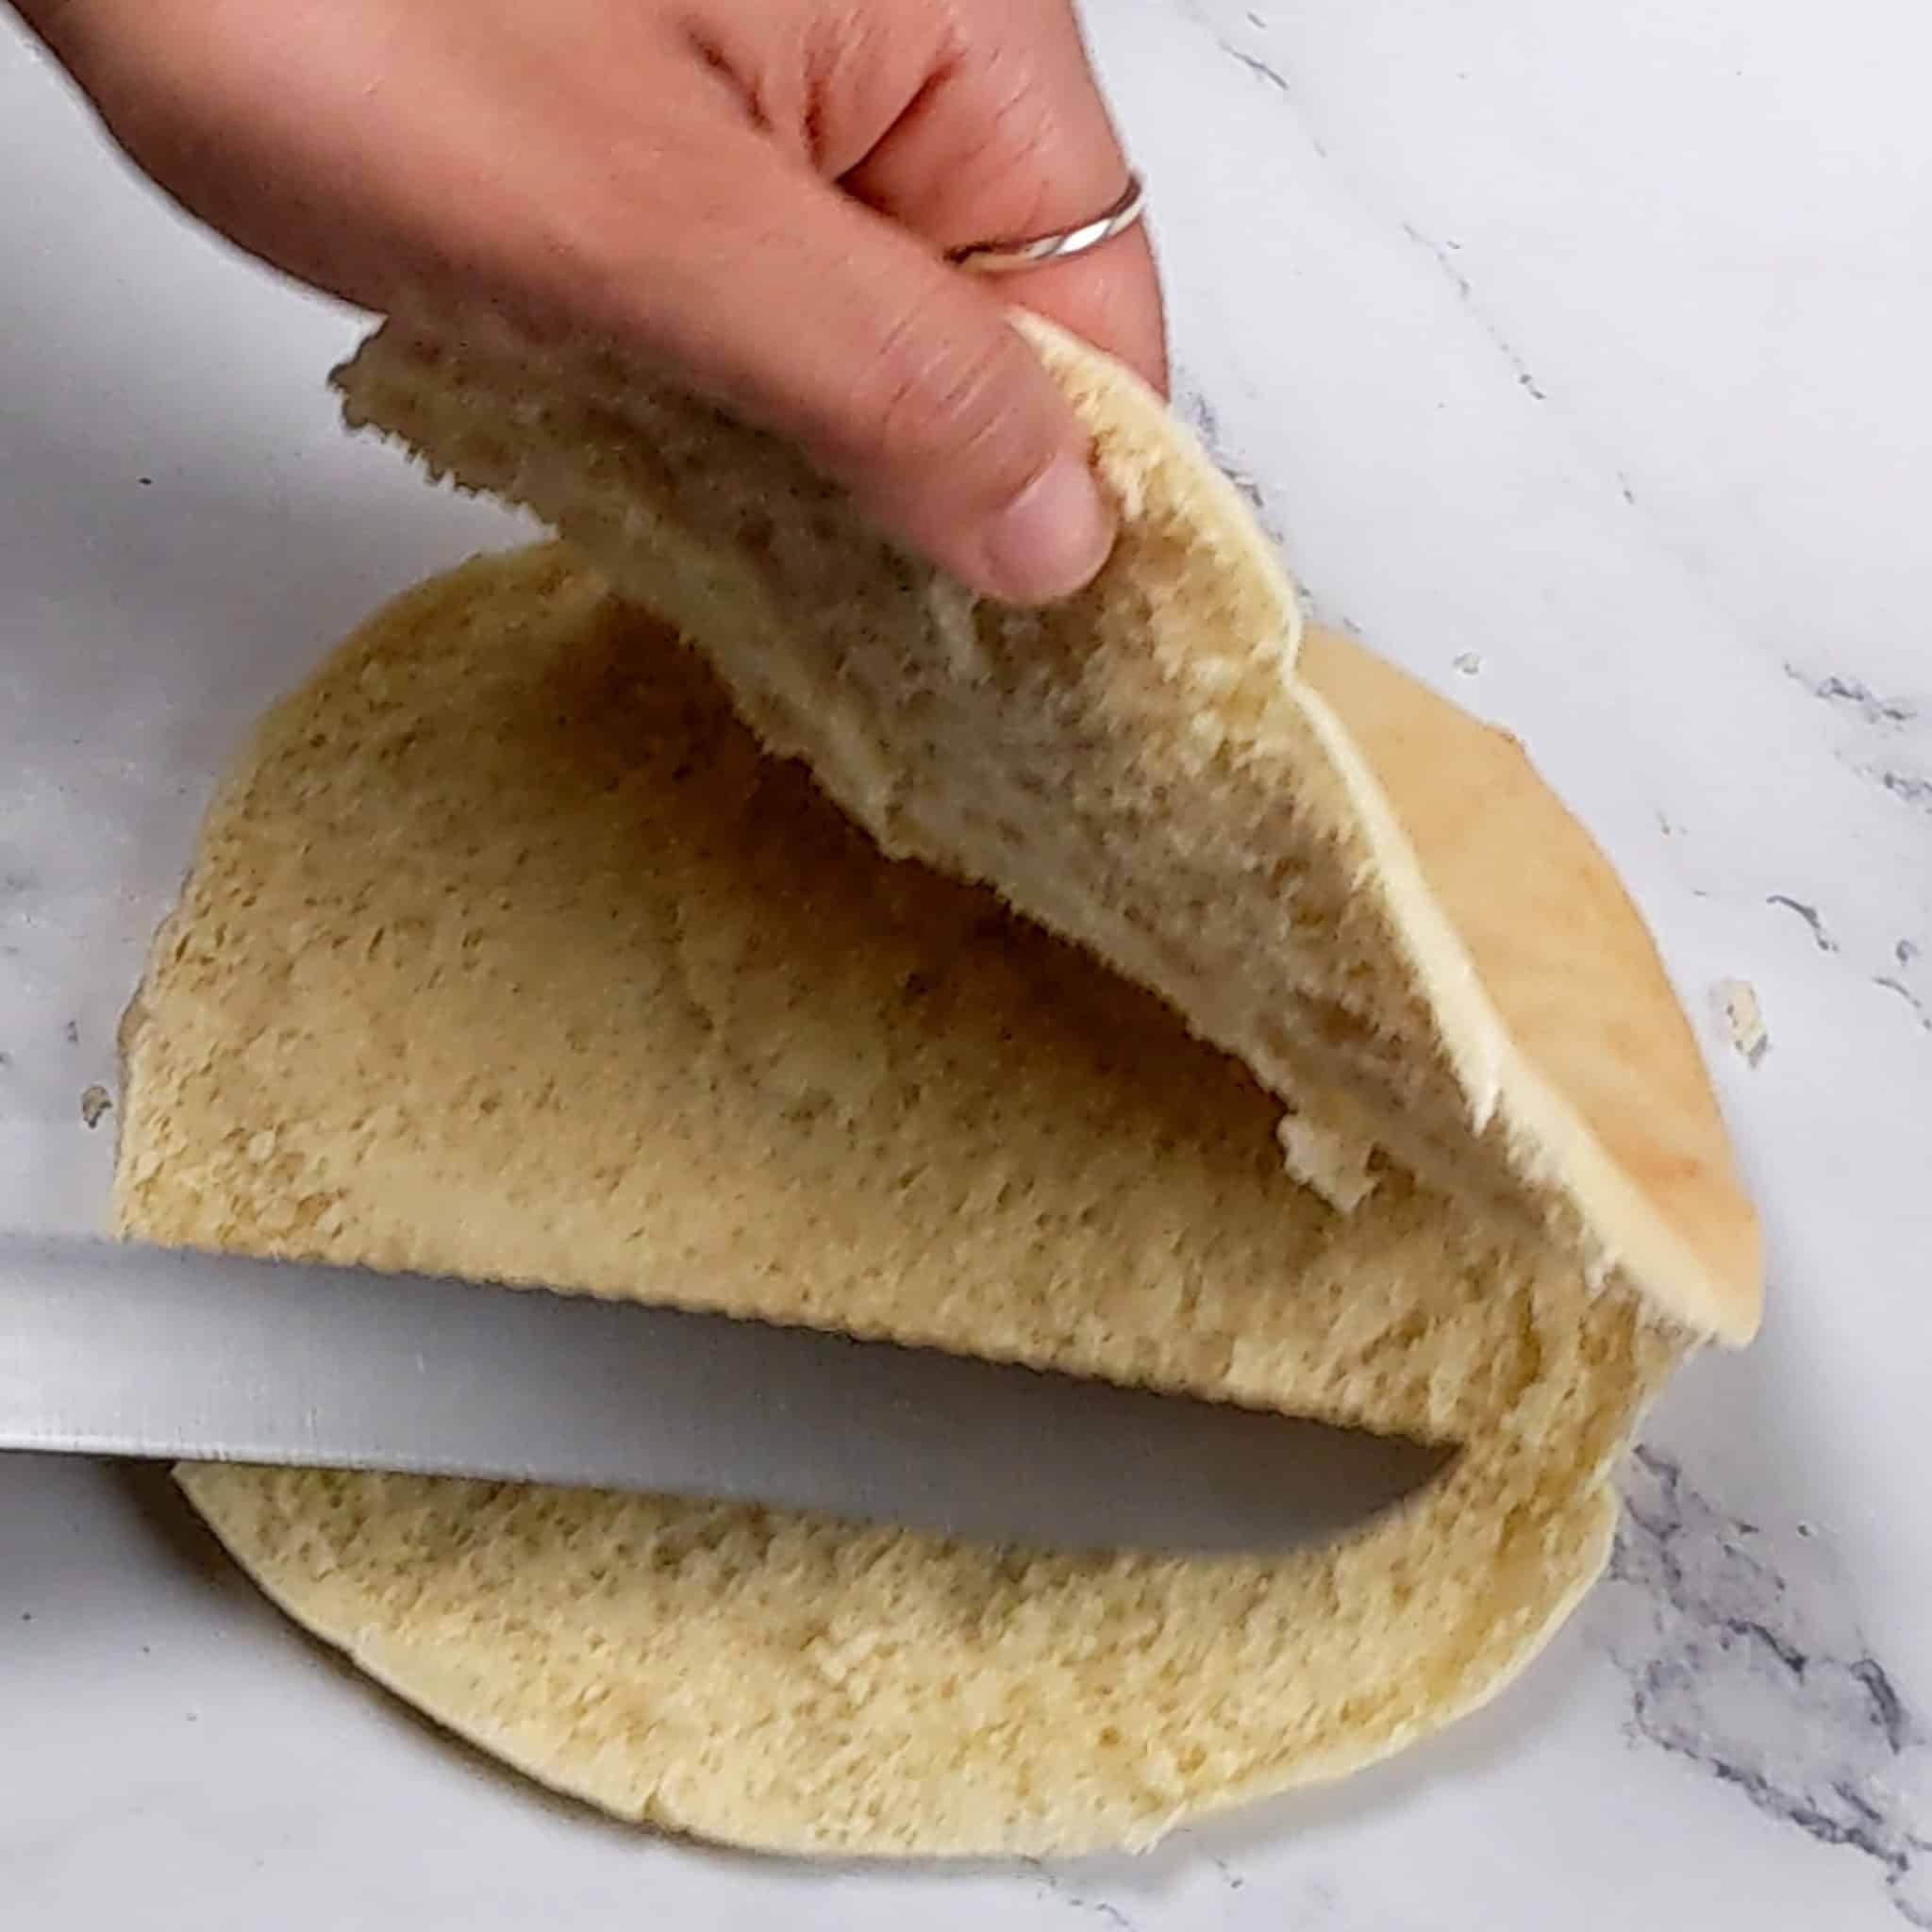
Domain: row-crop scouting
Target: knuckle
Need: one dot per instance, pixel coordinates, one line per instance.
(938, 398)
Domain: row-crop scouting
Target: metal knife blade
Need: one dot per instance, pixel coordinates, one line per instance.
(122, 1350)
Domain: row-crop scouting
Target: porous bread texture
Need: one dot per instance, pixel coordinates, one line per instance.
(505, 953)
(1331, 873)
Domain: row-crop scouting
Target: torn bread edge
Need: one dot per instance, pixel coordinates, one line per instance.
(1668, 1215)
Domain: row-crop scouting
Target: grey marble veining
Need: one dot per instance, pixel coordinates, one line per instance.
(1742, 1648)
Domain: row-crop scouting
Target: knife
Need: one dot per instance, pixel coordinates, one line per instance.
(122, 1350)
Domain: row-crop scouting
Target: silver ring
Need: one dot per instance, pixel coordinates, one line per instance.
(1062, 245)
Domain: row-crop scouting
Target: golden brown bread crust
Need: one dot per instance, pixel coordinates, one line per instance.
(1611, 1090)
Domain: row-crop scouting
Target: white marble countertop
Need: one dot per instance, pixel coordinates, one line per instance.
(1579, 357)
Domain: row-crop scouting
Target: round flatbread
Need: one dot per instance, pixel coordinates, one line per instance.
(506, 952)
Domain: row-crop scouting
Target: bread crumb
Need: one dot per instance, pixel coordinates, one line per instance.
(1469, 663)
(1736, 1003)
(95, 1101)
(1330, 1149)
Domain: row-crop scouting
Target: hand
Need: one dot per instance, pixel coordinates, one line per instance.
(755, 194)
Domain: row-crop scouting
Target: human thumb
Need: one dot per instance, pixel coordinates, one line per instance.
(903, 379)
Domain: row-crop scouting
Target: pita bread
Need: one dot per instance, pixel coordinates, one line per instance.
(506, 953)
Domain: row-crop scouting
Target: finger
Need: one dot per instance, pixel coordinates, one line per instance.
(1010, 140)
(896, 375)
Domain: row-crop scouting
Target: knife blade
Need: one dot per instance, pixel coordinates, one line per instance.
(123, 1350)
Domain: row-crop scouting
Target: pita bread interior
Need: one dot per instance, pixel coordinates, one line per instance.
(1146, 986)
